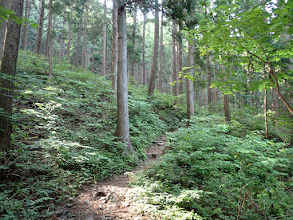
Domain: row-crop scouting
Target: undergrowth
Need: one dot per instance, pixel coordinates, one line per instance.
(210, 174)
(64, 135)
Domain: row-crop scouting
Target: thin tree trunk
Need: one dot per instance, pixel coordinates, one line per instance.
(114, 45)
(69, 33)
(153, 73)
(226, 108)
(8, 67)
(174, 67)
(189, 83)
(143, 50)
(179, 57)
(266, 115)
(161, 52)
(122, 129)
(84, 43)
(40, 28)
(132, 73)
(50, 27)
(61, 52)
(104, 41)
(77, 48)
(209, 82)
(3, 24)
(25, 28)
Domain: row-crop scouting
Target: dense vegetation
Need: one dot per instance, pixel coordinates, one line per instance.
(64, 135)
(212, 170)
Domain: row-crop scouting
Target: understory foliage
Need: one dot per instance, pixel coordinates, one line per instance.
(64, 135)
(208, 173)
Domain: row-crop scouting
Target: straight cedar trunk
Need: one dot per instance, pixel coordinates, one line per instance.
(160, 86)
(104, 41)
(61, 52)
(226, 108)
(122, 128)
(3, 24)
(179, 58)
(84, 43)
(153, 72)
(132, 72)
(189, 83)
(69, 33)
(50, 36)
(209, 82)
(77, 48)
(174, 66)
(266, 115)
(143, 50)
(8, 67)
(114, 45)
(40, 28)
(25, 28)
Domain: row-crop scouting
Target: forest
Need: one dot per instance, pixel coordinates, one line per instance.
(146, 109)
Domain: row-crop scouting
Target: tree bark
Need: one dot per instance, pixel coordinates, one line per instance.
(209, 82)
(143, 50)
(40, 28)
(50, 36)
(161, 52)
(104, 41)
(61, 52)
(174, 59)
(122, 129)
(84, 43)
(179, 58)
(226, 108)
(69, 33)
(189, 83)
(25, 28)
(3, 24)
(114, 45)
(77, 48)
(266, 114)
(132, 72)
(153, 73)
(8, 67)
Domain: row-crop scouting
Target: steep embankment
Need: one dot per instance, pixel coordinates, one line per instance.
(63, 135)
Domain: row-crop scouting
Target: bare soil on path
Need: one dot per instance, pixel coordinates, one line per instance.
(110, 199)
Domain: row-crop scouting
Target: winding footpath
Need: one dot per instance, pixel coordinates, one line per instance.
(111, 199)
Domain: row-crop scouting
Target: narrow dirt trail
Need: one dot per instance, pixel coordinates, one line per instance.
(110, 199)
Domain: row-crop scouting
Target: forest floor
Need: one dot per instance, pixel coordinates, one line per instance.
(111, 199)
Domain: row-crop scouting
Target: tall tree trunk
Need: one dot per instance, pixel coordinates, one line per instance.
(143, 50)
(40, 28)
(266, 114)
(8, 67)
(84, 43)
(3, 24)
(114, 45)
(61, 52)
(226, 108)
(104, 41)
(69, 33)
(153, 73)
(50, 27)
(25, 28)
(209, 82)
(189, 83)
(77, 48)
(179, 58)
(122, 129)
(161, 52)
(174, 67)
(132, 73)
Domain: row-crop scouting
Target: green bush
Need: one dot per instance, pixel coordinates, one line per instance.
(249, 176)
